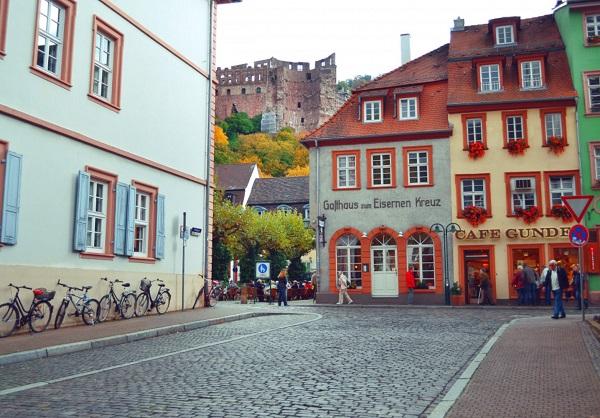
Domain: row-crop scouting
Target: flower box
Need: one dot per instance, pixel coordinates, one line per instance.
(476, 150)
(593, 40)
(556, 144)
(475, 215)
(517, 146)
(561, 212)
(529, 215)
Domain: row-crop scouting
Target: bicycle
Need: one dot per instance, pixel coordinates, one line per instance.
(211, 297)
(84, 306)
(13, 314)
(144, 301)
(125, 305)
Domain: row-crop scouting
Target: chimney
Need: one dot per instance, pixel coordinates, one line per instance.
(404, 48)
(459, 24)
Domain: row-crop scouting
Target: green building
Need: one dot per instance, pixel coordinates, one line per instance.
(579, 25)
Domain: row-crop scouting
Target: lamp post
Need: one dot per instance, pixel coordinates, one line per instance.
(451, 228)
(321, 229)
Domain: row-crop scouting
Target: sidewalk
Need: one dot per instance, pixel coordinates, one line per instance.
(121, 329)
(539, 367)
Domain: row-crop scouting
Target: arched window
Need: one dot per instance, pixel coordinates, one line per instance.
(383, 248)
(285, 208)
(347, 251)
(420, 255)
(260, 209)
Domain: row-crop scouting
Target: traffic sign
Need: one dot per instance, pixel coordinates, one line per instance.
(579, 235)
(577, 205)
(263, 270)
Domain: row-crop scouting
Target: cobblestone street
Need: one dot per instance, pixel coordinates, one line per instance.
(316, 361)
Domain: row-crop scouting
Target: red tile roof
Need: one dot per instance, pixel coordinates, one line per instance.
(427, 74)
(537, 35)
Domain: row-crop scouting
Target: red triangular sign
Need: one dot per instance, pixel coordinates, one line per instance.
(577, 205)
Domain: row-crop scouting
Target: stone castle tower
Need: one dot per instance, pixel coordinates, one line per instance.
(286, 93)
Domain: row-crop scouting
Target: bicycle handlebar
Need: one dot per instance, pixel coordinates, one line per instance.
(19, 287)
(69, 287)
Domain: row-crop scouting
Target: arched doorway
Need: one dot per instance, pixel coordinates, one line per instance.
(384, 269)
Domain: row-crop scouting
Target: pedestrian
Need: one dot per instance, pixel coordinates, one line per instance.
(556, 279)
(518, 282)
(531, 280)
(313, 280)
(577, 285)
(486, 287)
(410, 284)
(282, 288)
(343, 283)
(547, 289)
(260, 290)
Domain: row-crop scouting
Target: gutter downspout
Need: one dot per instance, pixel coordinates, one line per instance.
(319, 280)
(209, 137)
(580, 249)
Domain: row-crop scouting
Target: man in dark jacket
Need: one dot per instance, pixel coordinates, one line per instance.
(556, 279)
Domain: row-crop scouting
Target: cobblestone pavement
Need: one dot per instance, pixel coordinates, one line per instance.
(538, 368)
(352, 362)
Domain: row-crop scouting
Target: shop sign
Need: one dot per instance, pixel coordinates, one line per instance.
(513, 233)
(378, 203)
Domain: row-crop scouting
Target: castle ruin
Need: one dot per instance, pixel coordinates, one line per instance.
(286, 93)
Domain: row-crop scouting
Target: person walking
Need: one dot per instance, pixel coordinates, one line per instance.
(486, 287)
(577, 286)
(282, 288)
(313, 280)
(410, 284)
(547, 289)
(342, 283)
(556, 279)
(518, 282)
(531, 280)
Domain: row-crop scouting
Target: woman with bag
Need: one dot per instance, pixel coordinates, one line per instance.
(342, 283)
(282, 287)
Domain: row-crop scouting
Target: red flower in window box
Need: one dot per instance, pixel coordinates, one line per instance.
(475, 215)
(560, 211)
(517, 147)
(529, 215)
(476, 150)
(593, 39)
(556, 144)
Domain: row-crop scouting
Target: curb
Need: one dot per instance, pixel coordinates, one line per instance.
(60, 349)
(457, 388)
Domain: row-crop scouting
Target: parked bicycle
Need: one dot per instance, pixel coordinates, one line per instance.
(144, 301)
(84, 306)
(13, 314)
(125, 305)
(212, 296)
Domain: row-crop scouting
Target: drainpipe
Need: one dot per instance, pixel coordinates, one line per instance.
(209, 135)
(580, 249)
(319, 280)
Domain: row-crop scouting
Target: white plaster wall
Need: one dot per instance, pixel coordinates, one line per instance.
(164, 108)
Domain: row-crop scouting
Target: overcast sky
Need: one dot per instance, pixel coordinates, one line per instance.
(364, 34)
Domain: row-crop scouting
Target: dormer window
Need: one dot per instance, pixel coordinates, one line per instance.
(505, 35)
(531, 74)
(408, 108)
(489, 77)
(372, 111)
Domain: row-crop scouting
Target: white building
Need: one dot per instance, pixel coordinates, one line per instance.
(106, 119)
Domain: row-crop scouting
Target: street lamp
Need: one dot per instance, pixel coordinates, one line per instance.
(321, 226)
(451, 228)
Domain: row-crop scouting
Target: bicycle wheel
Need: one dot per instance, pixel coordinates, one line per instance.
(127, 305)
(60, 314)
(9, 317)
(163, 300)
(40, 316)
(104, 308)
(214, 297)
(141, 304)
(89, 312)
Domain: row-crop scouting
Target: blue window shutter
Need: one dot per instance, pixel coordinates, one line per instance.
(130, 221)
(160, 227)
(121, 218)
(81, 211)
(12, 194)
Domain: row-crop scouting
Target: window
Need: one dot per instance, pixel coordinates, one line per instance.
(383, 250)
(346, 170)
(515, 126)
(473, 129)
(595, 153)
(592, 92)
(553, 126)
(420, 255)
(418, 167)
(230, 197)
(523, 191)
(142, 209)
(306, 212)
(105, 83)
(260, 210)
(408, 108)
(299, 105)
(347, 251)
(489, 77)
(285, 209)
(243, 90)
(96, 223)
(561, 186)
(372, 111)
(531, 74)
(258, 90)
(302, 121)
(472, 190)
(592, 25)
(228, 92)
(504, 35)
(53, 41)
(3, 19)
(10, 192)
(382, 167)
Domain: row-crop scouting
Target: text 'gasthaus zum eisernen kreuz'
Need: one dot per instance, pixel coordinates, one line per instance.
(377, 203)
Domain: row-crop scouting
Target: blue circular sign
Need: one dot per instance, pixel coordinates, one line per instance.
(579, 235)
(262, 268)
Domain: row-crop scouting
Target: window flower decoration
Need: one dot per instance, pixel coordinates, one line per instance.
(556, 144)
(476, 150)
(560, 211)
(517, 147)
(475, 215)
(529, 215)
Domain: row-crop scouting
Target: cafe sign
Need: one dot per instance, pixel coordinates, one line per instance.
(512, 233)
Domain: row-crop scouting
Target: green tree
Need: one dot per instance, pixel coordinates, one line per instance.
(296, 269)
